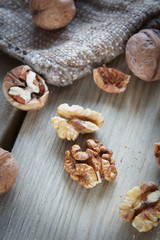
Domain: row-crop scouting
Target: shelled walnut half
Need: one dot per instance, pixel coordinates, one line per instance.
(25, 89)
(75, 120)
(110, 80)
(157, 153)
(88, 167)
(142, 206)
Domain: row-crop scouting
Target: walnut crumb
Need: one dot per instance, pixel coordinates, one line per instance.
(88, 167)
(142, 206)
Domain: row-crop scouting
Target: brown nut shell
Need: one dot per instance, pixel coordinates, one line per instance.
(52, 14)
(16, 78)
(110, 80)
(157, 153)
(143, 54)
(8, 171)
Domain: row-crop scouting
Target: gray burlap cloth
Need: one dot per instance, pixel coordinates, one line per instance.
(97, 34)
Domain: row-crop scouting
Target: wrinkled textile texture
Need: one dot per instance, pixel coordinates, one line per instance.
(97, 34)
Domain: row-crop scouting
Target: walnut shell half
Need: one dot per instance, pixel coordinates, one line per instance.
(110, 80)
(8, 171)
(25, 89)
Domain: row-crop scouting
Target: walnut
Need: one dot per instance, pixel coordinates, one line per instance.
(74, 120)
(52, 14)
(157, 153)
(142, 54)
(90, 166)
(8, 171)
(142, 206)
(110, 80)
(25, 89)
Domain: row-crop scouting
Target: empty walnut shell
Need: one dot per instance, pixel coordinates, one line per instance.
(52, 14)
(142, 54)
(8, 171)
(28, 93)
(110, 80)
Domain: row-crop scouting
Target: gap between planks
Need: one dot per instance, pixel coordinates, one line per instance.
(11, 119)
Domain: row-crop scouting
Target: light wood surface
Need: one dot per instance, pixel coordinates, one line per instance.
(45, 203)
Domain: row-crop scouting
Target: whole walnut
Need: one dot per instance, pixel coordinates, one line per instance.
(8, 171)
(142, 54)
(52, 14)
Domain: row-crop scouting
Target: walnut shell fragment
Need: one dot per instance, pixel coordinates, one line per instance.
(142, 206)
(90, 166)
(110, 80)
(8, 171)
(25, 89)
(75, 120)
(157, 153)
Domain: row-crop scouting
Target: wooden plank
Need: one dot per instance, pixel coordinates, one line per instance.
(45, 203)
(10, 117)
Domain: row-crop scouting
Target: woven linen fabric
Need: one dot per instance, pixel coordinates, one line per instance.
(97, 34)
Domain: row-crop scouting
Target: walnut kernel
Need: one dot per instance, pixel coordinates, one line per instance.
(142, 206)
(76, 111)
(75, 120)
(157, 153)
(88, 167)
(110, 80)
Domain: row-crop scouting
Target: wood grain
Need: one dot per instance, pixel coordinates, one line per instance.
(45, 203)
(10, 117)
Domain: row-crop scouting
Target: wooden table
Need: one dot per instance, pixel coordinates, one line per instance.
(45, 203)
